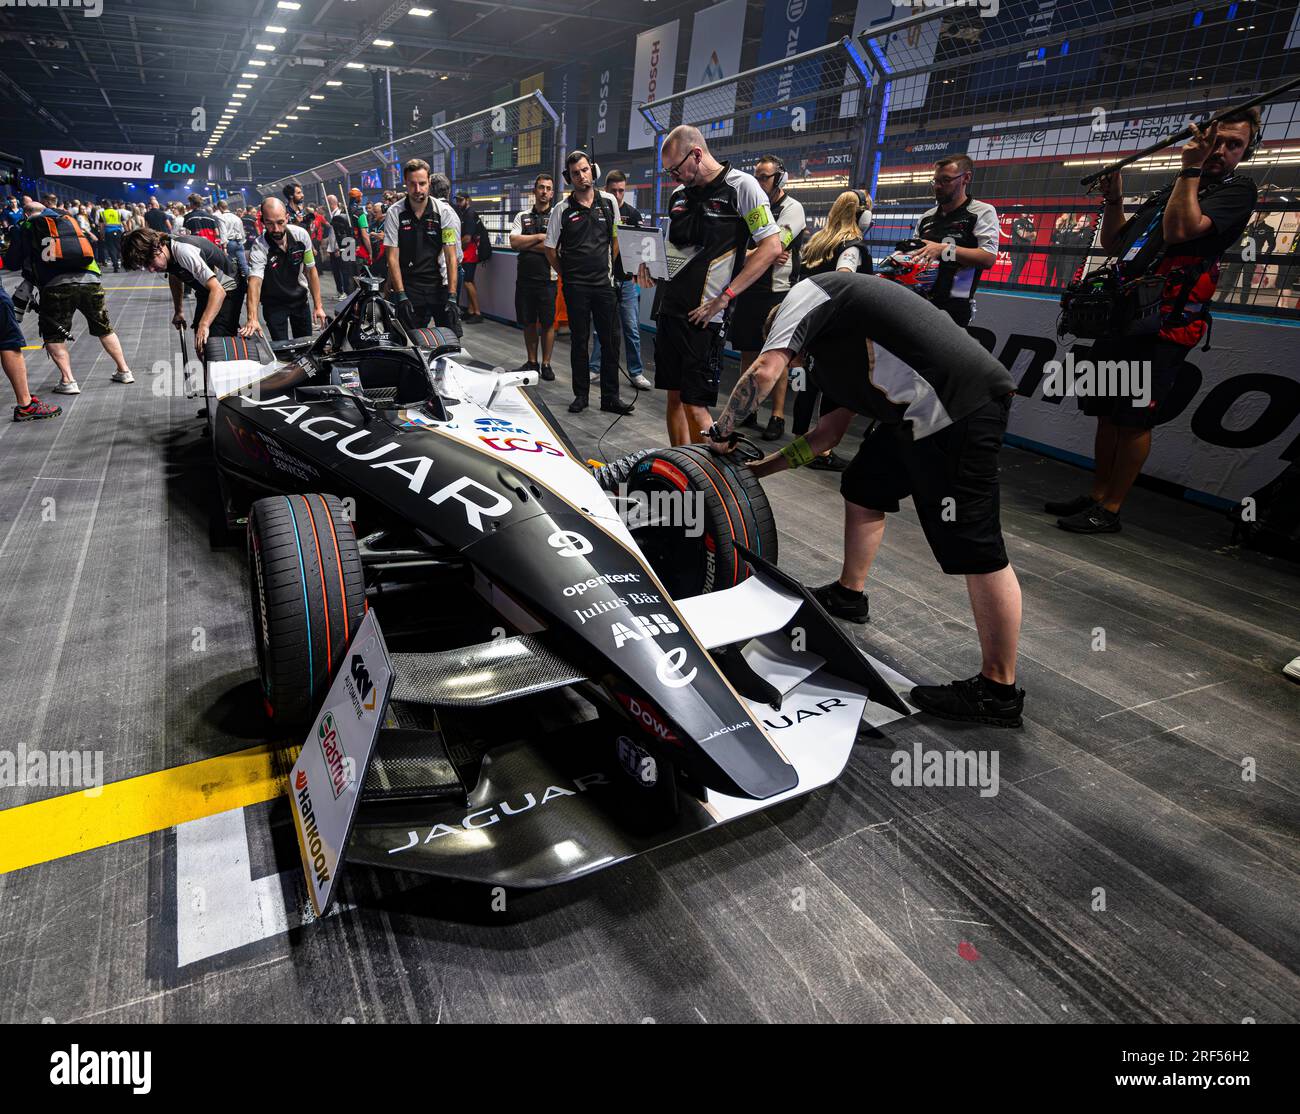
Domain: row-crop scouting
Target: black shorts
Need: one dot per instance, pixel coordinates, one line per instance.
(688, 359)
(1166, 361)
(535, 304)
(952, 477)
(747, 317)
(467, 270)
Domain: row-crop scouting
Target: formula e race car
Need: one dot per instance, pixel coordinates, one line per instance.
(587, 660)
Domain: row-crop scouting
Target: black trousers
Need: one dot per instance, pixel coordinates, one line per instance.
(226, 323)
(1019, 260)
(588, 307)
(428, 305)
(113, 246)
(287, 318)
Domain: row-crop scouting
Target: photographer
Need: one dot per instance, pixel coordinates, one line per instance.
(1181, 232)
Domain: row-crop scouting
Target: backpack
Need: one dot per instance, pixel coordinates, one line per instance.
(484, 241)
(1275, 525)
(58, 245)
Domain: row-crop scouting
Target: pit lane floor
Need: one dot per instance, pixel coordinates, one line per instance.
(1126, 869)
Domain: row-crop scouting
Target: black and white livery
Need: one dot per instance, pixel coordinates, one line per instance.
(584, 669)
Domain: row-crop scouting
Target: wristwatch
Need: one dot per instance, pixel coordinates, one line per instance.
(1190, 172)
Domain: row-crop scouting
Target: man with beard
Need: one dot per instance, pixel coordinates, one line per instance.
(1181, 232)
(281, 273)
(420, 253)
(535, 279)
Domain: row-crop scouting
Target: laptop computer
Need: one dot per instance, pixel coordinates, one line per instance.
(662, 258)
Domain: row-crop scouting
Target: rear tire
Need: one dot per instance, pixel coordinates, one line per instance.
(307, 590)
(734, 509)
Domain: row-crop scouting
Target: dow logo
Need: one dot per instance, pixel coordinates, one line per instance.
(178, 168)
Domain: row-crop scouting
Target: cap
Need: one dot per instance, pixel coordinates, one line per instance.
(354, 194)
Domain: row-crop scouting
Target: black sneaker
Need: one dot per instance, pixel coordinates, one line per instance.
(548, 376)
(577, 406)
(828, 463)
(528, 365)
(1095, 520)
(35, 410)
(750, 423)
(1065, 507)
(617, 406)
(970, 701)
(843, 603)
(775, 429)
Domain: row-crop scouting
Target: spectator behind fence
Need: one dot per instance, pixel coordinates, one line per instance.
(1259, 239)
(1023, 234)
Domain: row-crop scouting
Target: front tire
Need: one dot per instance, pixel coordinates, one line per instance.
(307, 591)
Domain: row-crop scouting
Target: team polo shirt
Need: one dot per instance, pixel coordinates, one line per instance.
(719, 218)
(532, 265)
(875, 347)
(195, 260)
(973, 224)
(426, 267)
(584, 237)
(283, 270)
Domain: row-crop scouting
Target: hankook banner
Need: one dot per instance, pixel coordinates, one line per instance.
(652, 78)
(95, 164)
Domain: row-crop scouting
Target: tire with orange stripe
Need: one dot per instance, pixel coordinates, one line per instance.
(307, 592)
(687, 508)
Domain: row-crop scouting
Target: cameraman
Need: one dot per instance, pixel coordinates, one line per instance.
(1181, 232)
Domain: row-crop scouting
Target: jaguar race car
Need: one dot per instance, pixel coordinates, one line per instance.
(587, 660)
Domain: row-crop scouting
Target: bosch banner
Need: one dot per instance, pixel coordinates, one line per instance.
(656, 65)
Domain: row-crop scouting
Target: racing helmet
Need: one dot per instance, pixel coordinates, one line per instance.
(902, 268)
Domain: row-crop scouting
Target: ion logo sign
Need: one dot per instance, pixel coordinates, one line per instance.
(178, 168)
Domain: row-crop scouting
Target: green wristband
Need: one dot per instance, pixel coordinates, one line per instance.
(797, 453)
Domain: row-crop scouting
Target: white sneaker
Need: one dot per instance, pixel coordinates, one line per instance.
(1292, 669)
(123, 377)
(641, 383)
(595, 376)
(68, 388)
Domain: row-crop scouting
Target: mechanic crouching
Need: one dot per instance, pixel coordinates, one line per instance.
(866, 343)
(194, 262)
(281, 273)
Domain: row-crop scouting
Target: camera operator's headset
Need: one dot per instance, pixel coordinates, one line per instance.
(574, 156)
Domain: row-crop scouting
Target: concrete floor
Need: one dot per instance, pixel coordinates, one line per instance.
(1126, 870)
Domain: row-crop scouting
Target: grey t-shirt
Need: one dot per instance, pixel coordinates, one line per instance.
(922, 368)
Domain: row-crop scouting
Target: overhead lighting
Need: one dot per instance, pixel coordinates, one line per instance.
(288, 5)
(238, 96)
(383, 42)
(316, 97)
(242, 85)
(333, 83)
(354, 65)
(274, 30)
(423, 13)
(256, 62)
(250, 76)
(442, 77)
(291, 117)
(264, 46)
(304, 108)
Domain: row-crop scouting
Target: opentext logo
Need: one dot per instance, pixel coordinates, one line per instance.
(93, 8)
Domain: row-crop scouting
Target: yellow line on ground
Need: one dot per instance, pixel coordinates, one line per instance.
(60, 826)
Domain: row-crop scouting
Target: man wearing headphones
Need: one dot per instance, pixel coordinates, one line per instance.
(1181, 232)
(581, 244)
(753, 306)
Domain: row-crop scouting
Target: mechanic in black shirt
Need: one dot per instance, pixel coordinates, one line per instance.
(420, 253)
(941, 404)
(626, 290)
(196, 263)
(962, 234)
(712, 215)
(1023, 235)
(581, 243)
(1259, 239)
(535, 279)
(1181, 232)
(281, 275)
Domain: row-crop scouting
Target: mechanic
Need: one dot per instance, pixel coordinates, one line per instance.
(420, 246)
(281, 275)
(626, 291)
(840, 246)
(713, 213)
(581, 244)
(68, 280)
(939, 443)
(535, 279)
(754, 305)
(961, 234)
(194, 263)
(1181, 232)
